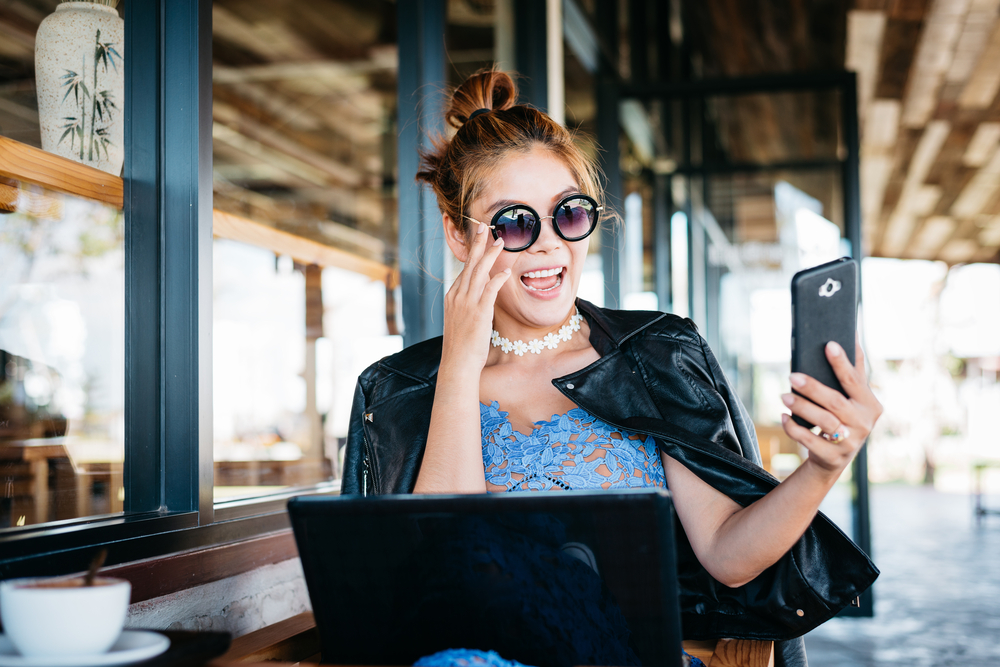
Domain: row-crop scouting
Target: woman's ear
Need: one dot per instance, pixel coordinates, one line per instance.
(455, 238)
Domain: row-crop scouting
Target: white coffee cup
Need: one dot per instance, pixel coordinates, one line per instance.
(62, 617)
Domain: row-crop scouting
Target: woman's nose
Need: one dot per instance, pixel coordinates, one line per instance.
(548, 239)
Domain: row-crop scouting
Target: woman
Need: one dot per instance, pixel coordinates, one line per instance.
(532, 388)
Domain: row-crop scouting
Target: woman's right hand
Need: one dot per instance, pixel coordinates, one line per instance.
(468, 306)
(453, 458)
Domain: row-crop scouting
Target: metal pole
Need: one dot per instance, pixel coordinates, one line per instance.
(421, 238)
(608, 137)
(531, 51)
(852, 228)
(661, 240)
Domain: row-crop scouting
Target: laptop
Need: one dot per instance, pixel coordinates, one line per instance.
(546, 579)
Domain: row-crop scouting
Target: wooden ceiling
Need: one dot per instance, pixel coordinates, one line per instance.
(305, 106)
(304, 110)
(928, 78)
(929, 73)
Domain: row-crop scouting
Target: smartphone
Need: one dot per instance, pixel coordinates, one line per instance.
(824, 308)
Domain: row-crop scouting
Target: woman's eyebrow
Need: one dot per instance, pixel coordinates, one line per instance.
(503, 203)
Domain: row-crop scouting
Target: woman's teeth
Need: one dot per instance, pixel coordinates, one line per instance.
(551, 287)
(543, 274)
(547, 289)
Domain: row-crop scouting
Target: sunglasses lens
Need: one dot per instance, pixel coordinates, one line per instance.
(515, 226)
(576, 218)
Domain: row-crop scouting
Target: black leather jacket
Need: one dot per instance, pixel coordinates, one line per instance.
(656, 376)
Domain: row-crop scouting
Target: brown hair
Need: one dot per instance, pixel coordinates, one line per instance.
(458, 169)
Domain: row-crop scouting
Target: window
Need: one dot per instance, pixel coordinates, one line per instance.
(62, 291)
(261, 223)
(304, 258)
(134, 279)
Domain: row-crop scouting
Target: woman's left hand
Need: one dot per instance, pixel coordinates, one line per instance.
(845, 421)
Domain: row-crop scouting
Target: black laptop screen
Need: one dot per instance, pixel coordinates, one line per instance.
(553, 579)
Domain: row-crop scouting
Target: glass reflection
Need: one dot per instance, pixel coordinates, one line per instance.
(304, 127)
(61, 356)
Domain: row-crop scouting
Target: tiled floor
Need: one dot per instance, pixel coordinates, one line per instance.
(937, 601)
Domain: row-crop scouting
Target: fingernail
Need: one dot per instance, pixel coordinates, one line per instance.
(506, 270)
(834, 349)
(787, 399)
(784, 419)
(480, 228)
(498, 241)
(797, 379)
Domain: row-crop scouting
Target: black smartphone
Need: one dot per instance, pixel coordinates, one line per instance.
(824, 308)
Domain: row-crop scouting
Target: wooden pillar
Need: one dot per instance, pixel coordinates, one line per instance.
(314, 329)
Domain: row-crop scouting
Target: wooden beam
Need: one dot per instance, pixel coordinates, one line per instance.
(304, 251)
(19, 111)
(928, 240)
(980, 190)
(381, 60)
(989, 234)
(983, 145)
(984, 83)
(909, 10)
(881, 129)
(899, 43)
(901, 224)
(15, 199)
(961, 245)
(270, 40)
(27, 163)
(975, 36)
(958, 251)
(324, 217)
(261, 141)
(875, 173)
(933, 59)
(864, 43)
(17, 35)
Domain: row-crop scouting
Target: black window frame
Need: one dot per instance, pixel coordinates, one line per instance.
(168, 474)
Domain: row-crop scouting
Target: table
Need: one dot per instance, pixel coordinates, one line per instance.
(27, 468)
(296, 641)
(24, 477)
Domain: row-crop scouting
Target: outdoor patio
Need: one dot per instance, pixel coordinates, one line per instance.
(937, 601)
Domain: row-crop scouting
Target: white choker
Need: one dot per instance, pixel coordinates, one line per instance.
(551, 340)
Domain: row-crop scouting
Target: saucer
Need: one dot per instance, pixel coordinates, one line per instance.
(132, 646)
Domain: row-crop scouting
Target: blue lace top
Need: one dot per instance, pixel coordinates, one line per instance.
(572, 451)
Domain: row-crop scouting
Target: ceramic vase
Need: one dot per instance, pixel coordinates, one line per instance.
(80, 81)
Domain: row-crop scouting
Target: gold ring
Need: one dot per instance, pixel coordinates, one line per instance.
(838, 436)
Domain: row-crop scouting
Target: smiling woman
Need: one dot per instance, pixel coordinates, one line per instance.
(599, 399)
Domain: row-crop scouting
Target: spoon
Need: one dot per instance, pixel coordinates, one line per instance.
(95, 565)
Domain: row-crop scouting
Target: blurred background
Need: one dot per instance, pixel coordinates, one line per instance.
(741, 141)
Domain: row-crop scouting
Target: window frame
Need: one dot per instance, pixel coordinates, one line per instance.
(168, 473)
(168, 191)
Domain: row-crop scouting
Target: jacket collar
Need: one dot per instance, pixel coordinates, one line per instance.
(609, 330)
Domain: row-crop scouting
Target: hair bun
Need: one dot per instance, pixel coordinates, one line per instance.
(488, 89)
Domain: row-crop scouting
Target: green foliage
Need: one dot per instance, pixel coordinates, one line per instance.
(6, 392)
(100, 111)
(955, 366)
(105, 52)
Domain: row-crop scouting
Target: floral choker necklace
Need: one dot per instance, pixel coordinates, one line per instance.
(551, 340)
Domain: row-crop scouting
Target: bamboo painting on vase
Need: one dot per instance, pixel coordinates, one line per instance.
(79, 77)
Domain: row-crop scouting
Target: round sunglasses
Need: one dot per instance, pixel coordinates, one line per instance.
(574, 218)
